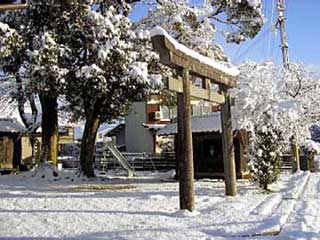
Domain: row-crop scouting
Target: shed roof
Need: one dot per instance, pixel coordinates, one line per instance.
(114, 131)
(200, 124)
(10, 125)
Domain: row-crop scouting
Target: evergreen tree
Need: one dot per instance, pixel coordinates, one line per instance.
(108, 71)
(265, 156)
(33, 66)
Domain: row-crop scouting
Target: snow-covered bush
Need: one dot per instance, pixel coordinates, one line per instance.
(265, 157)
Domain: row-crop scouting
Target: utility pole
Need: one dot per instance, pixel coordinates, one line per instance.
(282, 27)
(285, 59)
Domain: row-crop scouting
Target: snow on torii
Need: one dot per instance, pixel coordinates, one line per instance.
(186, 62)
(175, 55)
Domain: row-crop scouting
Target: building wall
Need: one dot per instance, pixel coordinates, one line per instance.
(26, 150)
(121, 137)
(10, 151)
(138, 138)
(26, 156)
(68, 136)
(6, 152)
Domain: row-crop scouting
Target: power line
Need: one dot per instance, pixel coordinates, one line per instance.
(253, 45)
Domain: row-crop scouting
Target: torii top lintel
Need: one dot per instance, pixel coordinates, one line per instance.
(176, 55)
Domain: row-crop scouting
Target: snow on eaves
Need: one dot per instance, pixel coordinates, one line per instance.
(10, 125)
(223, 67)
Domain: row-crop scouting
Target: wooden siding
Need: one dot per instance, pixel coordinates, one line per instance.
(10, 151)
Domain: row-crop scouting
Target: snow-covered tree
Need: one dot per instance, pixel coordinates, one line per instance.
(36, 64)
(121, 6)
(196, 25)
(10, 41)
(265, 155)
(46, 78)
(302, 88)
(257, 110)
(270, 102)
(12, 89)
(268, 88)
(109, 71)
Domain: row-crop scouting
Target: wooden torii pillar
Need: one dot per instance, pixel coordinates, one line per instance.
(188, 62)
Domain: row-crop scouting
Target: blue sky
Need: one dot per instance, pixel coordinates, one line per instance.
(303, 30)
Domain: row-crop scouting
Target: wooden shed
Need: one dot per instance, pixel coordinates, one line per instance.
(10, 143)
(207, 147)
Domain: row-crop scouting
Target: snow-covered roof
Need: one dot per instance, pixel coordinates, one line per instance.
(154, 126)
(10, 125)
(200, 124)
(226, 68)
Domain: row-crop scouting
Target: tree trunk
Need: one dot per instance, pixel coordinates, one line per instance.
(33, 126)
(49, 124)
(88, 142)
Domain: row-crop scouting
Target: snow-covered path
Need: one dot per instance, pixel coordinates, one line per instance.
(304, 221)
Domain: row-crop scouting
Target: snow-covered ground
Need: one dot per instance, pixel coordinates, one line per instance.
(147, 207)
(304, 221)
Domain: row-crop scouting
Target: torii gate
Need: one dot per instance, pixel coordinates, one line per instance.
(186, 61)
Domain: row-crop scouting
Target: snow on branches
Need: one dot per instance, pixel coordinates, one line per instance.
(112, 64)
(274, 104)
(9, 41)
(43, 69)
(244, 15)
(288, 98)
(196, 26)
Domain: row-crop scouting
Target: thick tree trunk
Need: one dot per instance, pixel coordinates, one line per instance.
(88, 142)
(49, 124)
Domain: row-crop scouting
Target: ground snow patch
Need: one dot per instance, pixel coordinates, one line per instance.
(50, 173)
(185, 213)
(267, 206)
